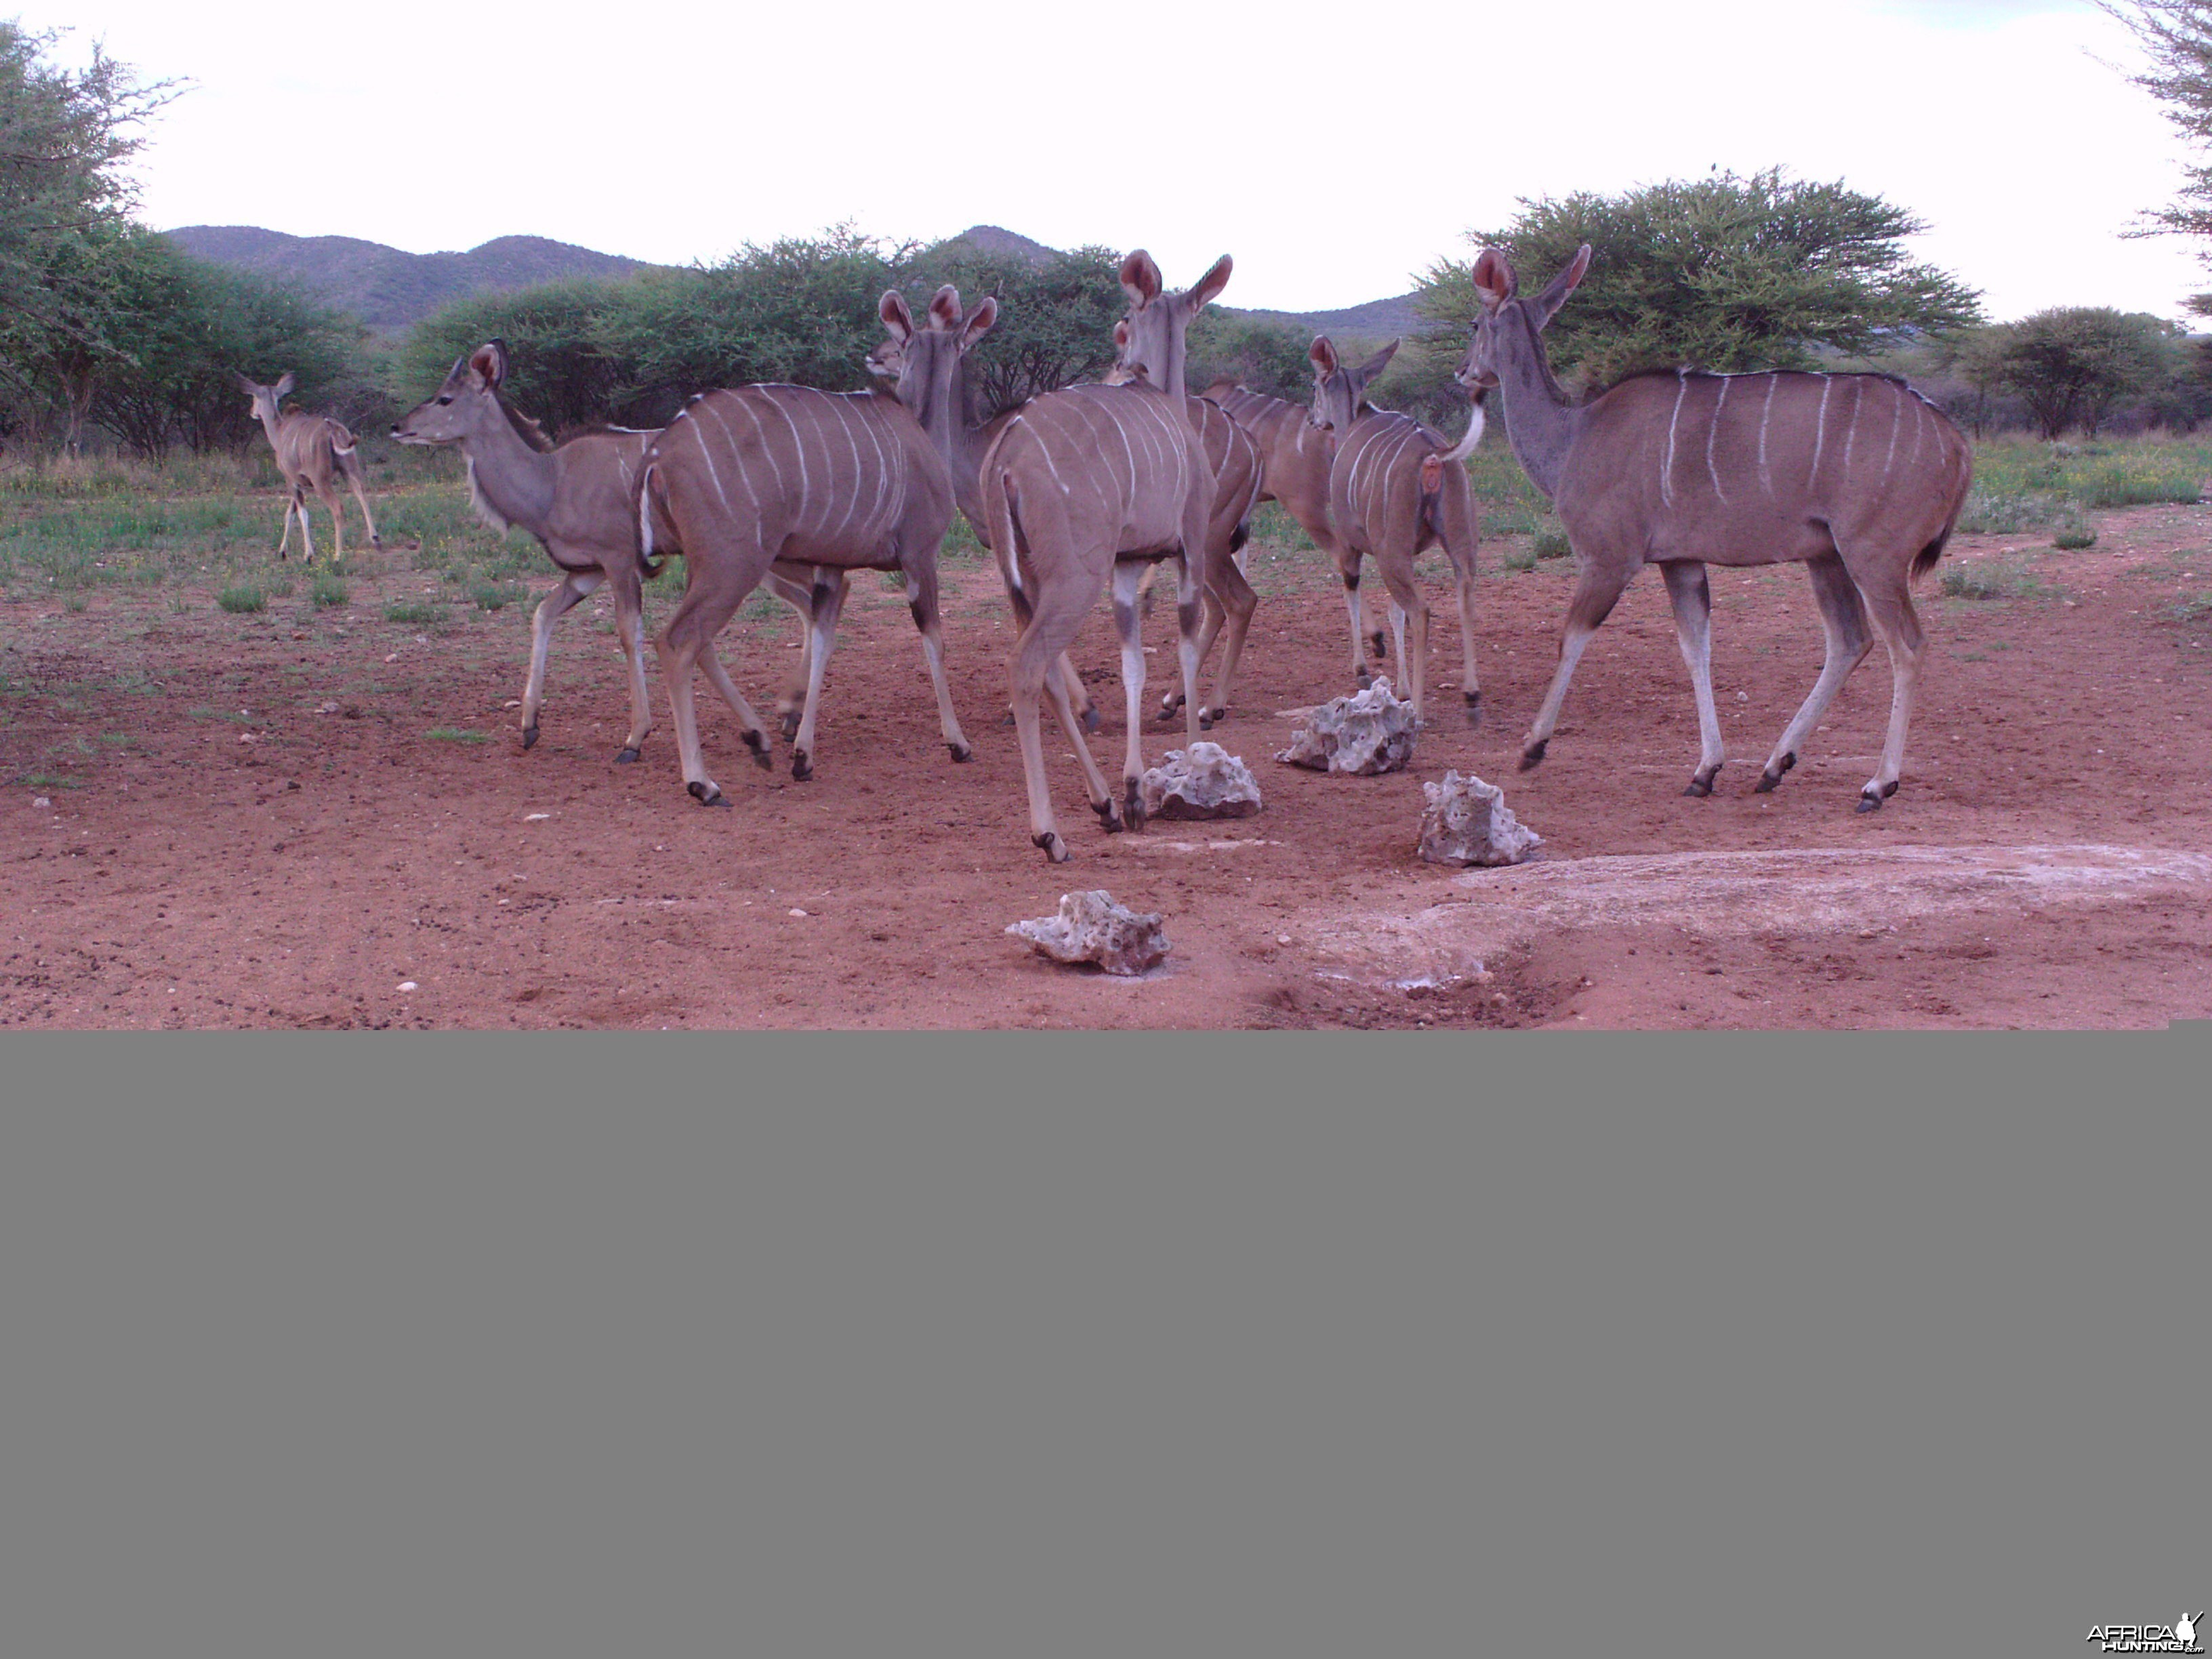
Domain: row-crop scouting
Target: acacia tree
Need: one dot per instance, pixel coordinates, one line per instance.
(1723, 272)
(2070, 364)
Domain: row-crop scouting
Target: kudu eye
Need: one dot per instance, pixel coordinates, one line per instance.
(447, 399)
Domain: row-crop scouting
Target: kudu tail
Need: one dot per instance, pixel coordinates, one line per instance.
(1004, 511)
(651, 565)
(1432, 466)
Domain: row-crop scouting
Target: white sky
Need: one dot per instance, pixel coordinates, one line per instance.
(1335, 152)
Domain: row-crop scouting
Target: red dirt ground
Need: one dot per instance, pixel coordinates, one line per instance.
(2043, 866)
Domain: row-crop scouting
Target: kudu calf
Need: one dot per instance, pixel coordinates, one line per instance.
(578, 500)
(1234, 460)
(1856, 476)
(1395, 491)
(312, 451)
(1092, 483)
(744, 478)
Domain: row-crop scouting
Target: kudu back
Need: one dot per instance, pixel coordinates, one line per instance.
(1091, 483)
(1856, 476)
(1395, 491)
(313, 452)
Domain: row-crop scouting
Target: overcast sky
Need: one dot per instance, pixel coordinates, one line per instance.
(1335, 152)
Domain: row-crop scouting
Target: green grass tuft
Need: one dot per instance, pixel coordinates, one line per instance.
(1993, 578)
(1551, 544)
(455, 734)
(328, 592)
(240, 601)
(1520, 558)
(414, 613)
(496, 596)
(2074, 537)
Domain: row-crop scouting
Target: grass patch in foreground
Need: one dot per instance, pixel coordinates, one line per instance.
(456, 735)
(414, 614)
(329, 593)
(53, 780)
(1993, 578)
(242, 601)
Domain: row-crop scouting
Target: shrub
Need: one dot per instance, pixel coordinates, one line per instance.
(1991, 578)
(1551, 544)
(328, 593)
(1997, 512)
(414, 614)
(2074, 537)
(1520, 558)
(455, 734)
(494, 596)
(2140, 483)
(241, 600)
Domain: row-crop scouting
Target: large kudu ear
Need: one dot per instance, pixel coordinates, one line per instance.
(1494, 282)
(283, 387)
(489, 360)
(892, 308)
(1207, 288)
(978, 322)
(1323, 354)
(1140, 278)
(1375, 365)
(1555, 295)
(252, 388)
(944, 309)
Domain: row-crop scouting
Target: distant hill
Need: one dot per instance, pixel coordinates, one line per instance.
(388, 289)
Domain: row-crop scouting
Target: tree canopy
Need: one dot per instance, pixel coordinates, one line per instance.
(1723, 272)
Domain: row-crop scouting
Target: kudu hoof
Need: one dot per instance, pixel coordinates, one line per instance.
(627, 757)
(1133, 803)
(1533, 754)
(1771, 777)
(529, 737)
(1055, 849)
(1009, 719)
(1092, 719)
(1701, 785)
(802, 766)
(1869, 802)
(1365, 678)
(1206, 720)
(707, 794)
(790, 725)
(961, 753)
(1109, 817)
(758, 744)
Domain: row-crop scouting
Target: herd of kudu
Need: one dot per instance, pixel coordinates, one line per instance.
(1855, 476)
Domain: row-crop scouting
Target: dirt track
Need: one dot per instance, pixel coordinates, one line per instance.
(2044, 864)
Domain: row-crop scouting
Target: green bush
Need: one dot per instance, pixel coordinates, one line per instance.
(241, 600)
(2073, 538)
(455, 734)
(2140, 483)
(2000, 512)
(1520, 558)
(1993, 579)
(414, 614)
(494, 596)
(328, 593)
(1551, 544)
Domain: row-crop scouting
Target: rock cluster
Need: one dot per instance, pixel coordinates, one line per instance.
(1367, 733)
(1467, 821)
(1091, 927)
(1202, 781)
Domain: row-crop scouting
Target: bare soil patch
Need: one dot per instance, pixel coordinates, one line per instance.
(252, 824)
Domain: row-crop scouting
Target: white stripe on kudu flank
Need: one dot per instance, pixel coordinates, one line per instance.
(852, 494)
(1858, 393)
(767, 449)
(1896, 415)
(1820, 428)
(1713, 431)
(799, 447)
(1667, 466)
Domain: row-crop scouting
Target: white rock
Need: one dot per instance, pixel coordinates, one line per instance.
(42, 800)
(1367, 733)
(407, 985)
(1203, 781)
(1467, 821)
(1091, 927)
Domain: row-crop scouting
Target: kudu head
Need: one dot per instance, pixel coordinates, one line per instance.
(1340, 394)
(265, 398)
(923, 364)
(1158, 322)
(468, 404)
(1502, 308)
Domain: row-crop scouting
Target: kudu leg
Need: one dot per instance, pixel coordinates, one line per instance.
(1692, 599)
(1127, 578)
(1889, 608)
(367, 517)
(630, 629)
(1189, 609)
(553, 606)
(1596, 591)
(922, 601)
(689, 636)
(822, 640)
(1844, 620)
(791, 702)
(306, 526)
(756, 734)
(1231, 598)
(1049, 620)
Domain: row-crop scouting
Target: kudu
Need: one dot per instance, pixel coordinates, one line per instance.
(1294, 464)
(1092, 483)
(1235, 462)
(1683, 470)
(1395, 491)
(312, 451)
(578, 501)
(747, 478)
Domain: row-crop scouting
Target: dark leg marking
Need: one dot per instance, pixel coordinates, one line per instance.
(961, 751)
(626, 757)
(1701, 783)
(758, 742)
(1055, 849)
(1770, 778)
(1533, 753)
(707, 794)
(529, 737)
(1133, 803)
(802, 766)
(1109, 815)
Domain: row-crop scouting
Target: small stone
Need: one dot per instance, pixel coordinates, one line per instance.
(1366, 734)
(326, 708)
(1091, 927)
(392, 657)
(1467, 821)
(407, 985)
(1203, 781)
(536, 817)
(42, 800)
(512, 702)
(794, 911)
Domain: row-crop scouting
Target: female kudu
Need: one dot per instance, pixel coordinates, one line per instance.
(313, 452)
(1858, 477)
(1092, 483)
(1395, 491)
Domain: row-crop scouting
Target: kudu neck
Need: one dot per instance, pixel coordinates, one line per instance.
(1541, 421)
(944, 418)
(517, 480)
